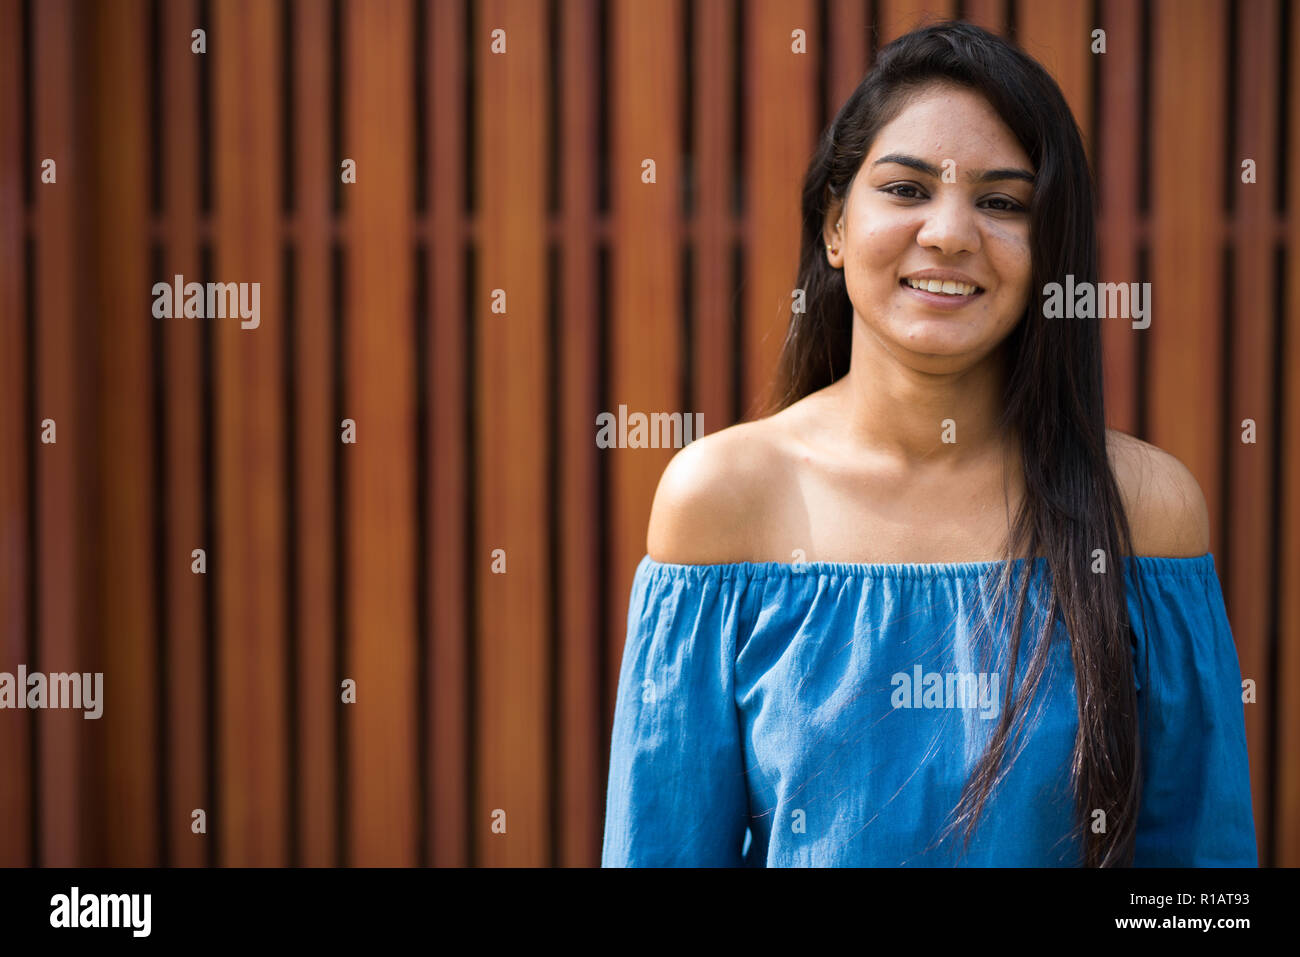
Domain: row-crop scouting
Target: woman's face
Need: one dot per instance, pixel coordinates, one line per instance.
(943, 196)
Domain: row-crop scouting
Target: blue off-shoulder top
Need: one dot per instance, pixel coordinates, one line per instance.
(829, 714)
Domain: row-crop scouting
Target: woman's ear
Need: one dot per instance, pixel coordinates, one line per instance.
(833, 235)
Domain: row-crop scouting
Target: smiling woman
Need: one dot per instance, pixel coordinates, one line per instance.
(935, 494)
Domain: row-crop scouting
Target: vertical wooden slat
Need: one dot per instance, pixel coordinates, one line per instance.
(380, 500)
(1057, 35)
(513, 697)
(447, 811)
(123, 743)
(1251, 512)
(1117, 228)
(714, 227)
(15, 757)
(1185, 333)
(580, 753)
(644, 346)
(849, 47)
(896, 17)
(249, 552)
(989, 14)
(780, 102)
(317, 437)
(186, 691)
(1287, 786)
(60, 468)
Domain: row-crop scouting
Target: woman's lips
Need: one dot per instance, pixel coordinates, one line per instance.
(938, 300)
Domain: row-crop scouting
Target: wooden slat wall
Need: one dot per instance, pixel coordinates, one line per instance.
(476, 171)
(251, 826)
(1250, 513)
(1285, 789)
(645, 222)
(16, 839)
(122, 747)
(186, 636)
(58, 465)
(316, 439)
(510, 822)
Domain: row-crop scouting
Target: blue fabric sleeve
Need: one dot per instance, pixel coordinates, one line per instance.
(1196, 805)
(677, 795)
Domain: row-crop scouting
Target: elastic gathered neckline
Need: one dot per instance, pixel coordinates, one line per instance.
(1160, 565)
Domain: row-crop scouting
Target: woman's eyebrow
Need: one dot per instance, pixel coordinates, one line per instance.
(978, 176)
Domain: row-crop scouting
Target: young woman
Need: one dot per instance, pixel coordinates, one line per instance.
(931, 611)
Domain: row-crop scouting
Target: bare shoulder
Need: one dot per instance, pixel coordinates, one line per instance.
(713, 496)
(1164, 503)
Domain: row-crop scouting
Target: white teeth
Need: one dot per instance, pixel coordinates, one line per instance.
(945, 286)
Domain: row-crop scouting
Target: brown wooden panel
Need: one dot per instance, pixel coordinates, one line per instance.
(15, 756)
(989, 14)
(447, 811)
(61, 468)
(714, 228)
(850, 46)
(511, 442)
(1185, 333)
(1058, 35)
(581, 753)
(122, 745)
(896, 17)
(252, 825)
(1286, 788)
(316, 437)
(1251, 511)
(645, 337)
(378, 357)
(1117, 165)
(780, 104)
(186, 701)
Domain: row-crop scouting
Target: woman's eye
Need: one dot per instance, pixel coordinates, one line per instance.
(899, 190)
(1007, 205)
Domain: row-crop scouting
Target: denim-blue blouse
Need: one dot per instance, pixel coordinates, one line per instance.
(829, 714)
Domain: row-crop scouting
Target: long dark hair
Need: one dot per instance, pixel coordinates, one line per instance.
(1052, 403)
